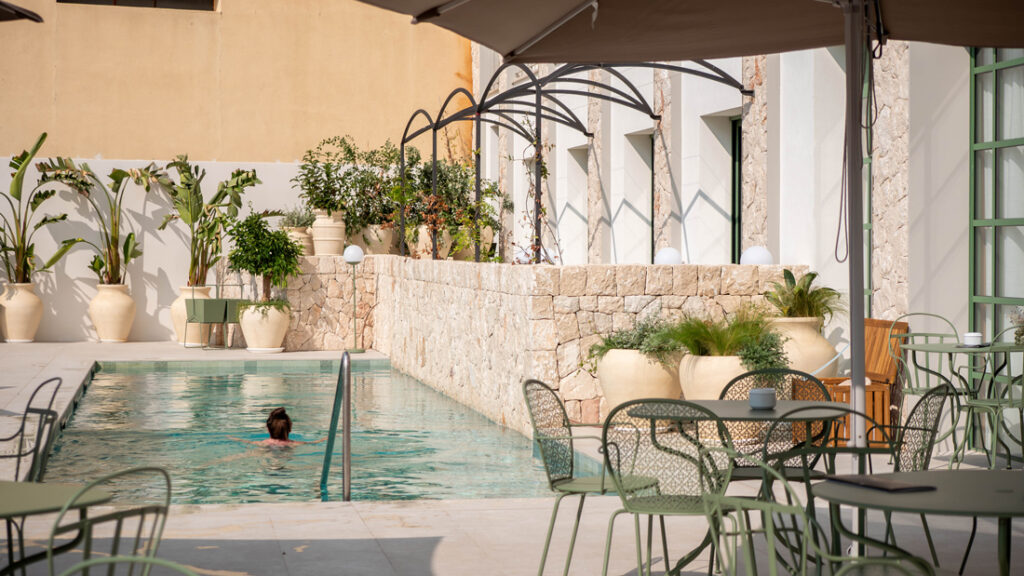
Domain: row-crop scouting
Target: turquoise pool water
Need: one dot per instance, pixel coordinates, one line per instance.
(408, 441)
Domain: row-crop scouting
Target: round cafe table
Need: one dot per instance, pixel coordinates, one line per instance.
(20, 499)
(987, 493)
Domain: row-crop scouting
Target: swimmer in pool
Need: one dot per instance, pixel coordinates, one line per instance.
(279, 425)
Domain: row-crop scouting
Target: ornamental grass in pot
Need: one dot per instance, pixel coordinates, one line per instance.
(631, 365)
(271, 257)
(112, 310)
(21, 310)
(803, 310)
(716, 351)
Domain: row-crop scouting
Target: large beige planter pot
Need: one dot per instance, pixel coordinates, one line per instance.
(375, 240)
(112, 311)
(20, 313)
(626, 375)
(704, 377)
(328, 233)
(469, 252)
(264, 328)
(423, 247)
(805, 347)
(300, 235)
(198, 334)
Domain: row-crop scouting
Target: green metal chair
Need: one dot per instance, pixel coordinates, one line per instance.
(1004, 383)
(29, 448)
(126, 565)
(552, 432)
(131, 524)
(752, 437)
(659, 441)
(787, 537)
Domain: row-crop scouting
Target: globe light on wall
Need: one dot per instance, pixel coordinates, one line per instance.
(668, 255)
(354, 256)
(756, 255)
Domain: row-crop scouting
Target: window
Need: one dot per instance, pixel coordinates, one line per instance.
(172, 4)
(997, 187)
(737, 188)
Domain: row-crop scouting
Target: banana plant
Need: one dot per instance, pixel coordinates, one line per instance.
(207, 221)
(20, 223)
(112, 256)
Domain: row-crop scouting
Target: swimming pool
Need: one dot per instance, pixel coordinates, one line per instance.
(409, 441)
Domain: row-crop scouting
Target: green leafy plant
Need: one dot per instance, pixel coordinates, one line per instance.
(297, 217)
(321, 173)
(797, 299)
(268, 254)
(746, 334)
(639, 338)
(207, 220)
(112, 256)
(19, 225)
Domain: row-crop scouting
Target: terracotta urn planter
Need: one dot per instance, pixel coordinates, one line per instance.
(198, 334)
(300, 236)
(626, 375)
(805, 347)
(469, 252)
(112, 312)
(264, 328)
(328, 233)
(704, 377)
(21, 310)
(375, 240)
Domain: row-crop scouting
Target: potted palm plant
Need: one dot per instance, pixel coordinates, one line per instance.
(716, 351)
(631, 365)
(112, 310)
(207, 222)
(273, 258)
(21, 310)
(803, 311)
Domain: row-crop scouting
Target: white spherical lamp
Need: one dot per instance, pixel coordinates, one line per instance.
(756, 255)
(353, 254)
(668, 255)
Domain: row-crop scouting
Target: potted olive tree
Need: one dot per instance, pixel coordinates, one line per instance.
(370, 208)
(21, 309)
(321, 181)
(112, 310)
(272, 258)
(296, 222)
(803, 311)
(716, 351)
(631, 365)
(207, 221)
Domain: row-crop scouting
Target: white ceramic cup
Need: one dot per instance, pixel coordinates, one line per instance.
(762, 398)
(972, 338)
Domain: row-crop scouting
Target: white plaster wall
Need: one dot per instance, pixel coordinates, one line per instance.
(939, 261)
(154, 278)
(630, 197)
(567, 184)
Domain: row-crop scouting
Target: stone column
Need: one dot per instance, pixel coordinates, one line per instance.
(598, 218)
(889, 174)
(755, 153)
(664, 194)
(506, 217)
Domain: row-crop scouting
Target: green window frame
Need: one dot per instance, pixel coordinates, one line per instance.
(992, 300)
(737, 188)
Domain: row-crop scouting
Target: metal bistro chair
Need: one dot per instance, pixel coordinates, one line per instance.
(552, 432)
(126, 565)
(787, 540)
(660, 440)
(29, 448)
(752, 437)
(131, 524)
(1004, 390)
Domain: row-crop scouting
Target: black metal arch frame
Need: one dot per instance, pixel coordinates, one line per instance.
(540, 98)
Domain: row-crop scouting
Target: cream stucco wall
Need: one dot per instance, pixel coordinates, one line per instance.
(257, 80)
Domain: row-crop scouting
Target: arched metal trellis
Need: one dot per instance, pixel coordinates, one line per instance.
(541, 99)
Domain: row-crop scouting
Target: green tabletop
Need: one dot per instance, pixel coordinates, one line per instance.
(28, 498)
(740, 411)
(951, 348)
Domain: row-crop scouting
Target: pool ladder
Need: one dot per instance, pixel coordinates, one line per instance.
(342, 405)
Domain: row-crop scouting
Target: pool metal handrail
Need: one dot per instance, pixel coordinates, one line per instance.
(342, 404)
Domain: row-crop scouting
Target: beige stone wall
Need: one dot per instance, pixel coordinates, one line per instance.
(755, 153)
(253, 81)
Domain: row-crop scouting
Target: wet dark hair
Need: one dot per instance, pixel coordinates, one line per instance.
(279, 425)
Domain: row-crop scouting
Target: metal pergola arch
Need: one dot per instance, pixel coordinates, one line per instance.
(528, 98)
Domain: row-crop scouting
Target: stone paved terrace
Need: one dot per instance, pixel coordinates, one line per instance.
(429, 537)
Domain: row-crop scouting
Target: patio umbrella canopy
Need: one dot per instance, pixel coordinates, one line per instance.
(9, 11)
(617, 31)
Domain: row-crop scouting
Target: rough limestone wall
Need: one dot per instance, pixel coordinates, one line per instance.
(890, 174)
(755, 153)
